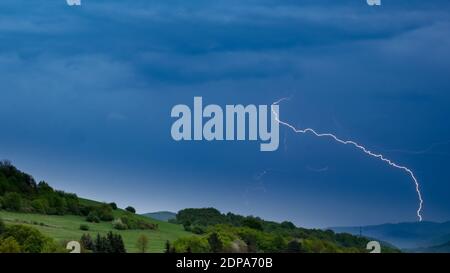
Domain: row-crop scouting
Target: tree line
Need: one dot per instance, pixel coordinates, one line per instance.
(236, 233)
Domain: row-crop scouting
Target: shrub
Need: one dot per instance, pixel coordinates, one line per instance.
(294, 246)
(57, 203)
(133, 222)
(191, 244)
(12, 201)
(215, 243)
(187, 225)
(168, 248)
(105, 212)
(9, 245)
(85, 210)
(198, 230)
(39, 206)
(253, 223)
(2, 226)
(118, 224)
(93, 217)
(84, 227)
(113, 205)
(130, 209)
(73, 205)
(30, 239)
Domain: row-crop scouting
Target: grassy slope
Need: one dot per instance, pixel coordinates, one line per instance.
(67, 228)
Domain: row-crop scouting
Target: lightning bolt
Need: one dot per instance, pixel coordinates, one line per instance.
(359, 147)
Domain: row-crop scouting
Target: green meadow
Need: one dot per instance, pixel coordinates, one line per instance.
(67, 228)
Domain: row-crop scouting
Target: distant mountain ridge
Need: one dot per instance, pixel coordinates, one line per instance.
(161, 215)
(409, 235)
(444, 248)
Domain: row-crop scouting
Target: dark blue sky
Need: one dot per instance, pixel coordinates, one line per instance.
(86, 95)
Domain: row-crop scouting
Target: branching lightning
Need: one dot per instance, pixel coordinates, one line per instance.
(358, 146)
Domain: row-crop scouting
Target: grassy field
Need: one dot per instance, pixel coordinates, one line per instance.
(67, 228)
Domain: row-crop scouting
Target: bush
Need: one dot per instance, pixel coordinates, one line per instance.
(187, 225)
(73, 205)
(84, 227)
(191, 244)
(253, 223)
(2, 226)
(12, 201)
(215, 243)
(133, 222)
(198, 230)
(113, 205)
(130, 209)
(294, 246)
(9, 245)
(119, 225)
(168, 248)
(93, 217)
(29, 239)
(39, 206)
(85, 210)
(58, 204)
(105, 212)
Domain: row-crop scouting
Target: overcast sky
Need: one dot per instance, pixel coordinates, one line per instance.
(86, 94)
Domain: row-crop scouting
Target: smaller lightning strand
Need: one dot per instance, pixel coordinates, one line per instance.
(358, 146)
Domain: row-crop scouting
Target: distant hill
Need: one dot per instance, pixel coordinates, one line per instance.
(239, 233)
(414, 235)
(161, 215)
(444, 248)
